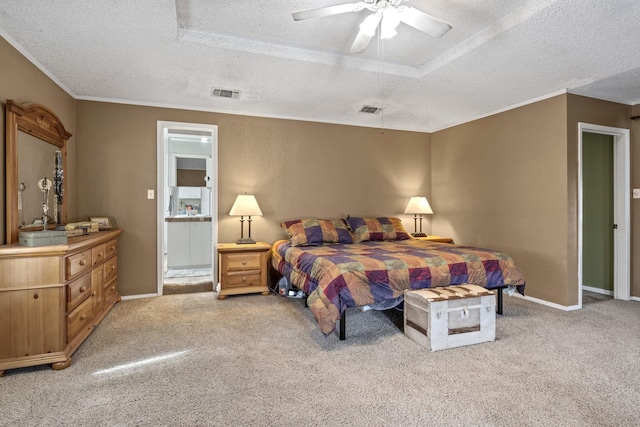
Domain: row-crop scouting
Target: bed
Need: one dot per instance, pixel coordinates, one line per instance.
(370, 262)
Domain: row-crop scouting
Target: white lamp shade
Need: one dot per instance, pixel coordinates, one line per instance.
(418, 205)
(245, 205)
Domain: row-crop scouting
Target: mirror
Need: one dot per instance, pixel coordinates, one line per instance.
(35, 162)
(35, 153)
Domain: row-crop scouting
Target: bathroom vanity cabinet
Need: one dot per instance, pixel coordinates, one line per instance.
(189, 241)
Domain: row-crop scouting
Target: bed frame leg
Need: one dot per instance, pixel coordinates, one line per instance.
(499, 301)
(343, 326)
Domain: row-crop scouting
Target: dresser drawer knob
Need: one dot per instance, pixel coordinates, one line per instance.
(99, 254)
(94, 293)
(244, 279)
(83, 288)
(83, 317)
(82, 262)
(244, 262)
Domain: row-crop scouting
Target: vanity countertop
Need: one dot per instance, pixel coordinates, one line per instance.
(188, 218)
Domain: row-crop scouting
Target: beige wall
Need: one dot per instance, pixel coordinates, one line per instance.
(21, 81)
(500, 182)
(510, 181)
(295, 169)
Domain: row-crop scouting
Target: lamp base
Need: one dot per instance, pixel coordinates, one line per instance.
(245, 241)
(418, 235)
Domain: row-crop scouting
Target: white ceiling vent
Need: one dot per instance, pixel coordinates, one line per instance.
(225, 93)
(370, 109)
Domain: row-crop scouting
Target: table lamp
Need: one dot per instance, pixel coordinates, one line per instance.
(418, 206)
(245, 205)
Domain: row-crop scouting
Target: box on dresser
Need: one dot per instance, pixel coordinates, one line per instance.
(42, 238)
(53, 297)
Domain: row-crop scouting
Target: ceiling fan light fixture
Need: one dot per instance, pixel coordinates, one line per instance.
(390, 22)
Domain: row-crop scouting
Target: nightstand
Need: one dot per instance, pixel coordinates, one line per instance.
(243, 268)
(439, 239)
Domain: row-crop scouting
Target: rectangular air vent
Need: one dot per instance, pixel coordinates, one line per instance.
(370, 109)
(225, 93)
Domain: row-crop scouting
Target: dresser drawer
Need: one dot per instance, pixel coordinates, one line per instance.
(246, 261)
(110, 291)
(80, 319)
(110, 269)
(244, 278)
(111, 248)
(78, 291)
(98, 254)
(77, 264)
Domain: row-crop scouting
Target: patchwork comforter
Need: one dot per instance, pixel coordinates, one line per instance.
(339, 276)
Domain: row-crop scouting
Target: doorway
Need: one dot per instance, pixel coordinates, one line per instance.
(186, 206)
(604, 211)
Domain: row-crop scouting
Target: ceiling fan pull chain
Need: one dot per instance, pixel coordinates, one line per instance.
(381, 78)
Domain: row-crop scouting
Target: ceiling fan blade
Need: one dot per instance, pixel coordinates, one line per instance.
(329, 10)
(360, 43)
(426, 23)
(367, 31)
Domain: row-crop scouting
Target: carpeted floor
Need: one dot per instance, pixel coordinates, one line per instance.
(187, 285)
(258, 360)
(187, 280)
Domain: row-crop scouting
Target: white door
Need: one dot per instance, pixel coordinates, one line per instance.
(621, 207)
(166, 164)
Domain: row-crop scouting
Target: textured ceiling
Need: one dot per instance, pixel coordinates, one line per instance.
(499, 54)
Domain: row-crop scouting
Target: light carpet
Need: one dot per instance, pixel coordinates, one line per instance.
(258, 360)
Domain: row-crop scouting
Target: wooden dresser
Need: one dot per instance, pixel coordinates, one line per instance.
(53, 297)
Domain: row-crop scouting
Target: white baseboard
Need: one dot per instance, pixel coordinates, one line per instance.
(635, 298)
(548, 303)
(140, 296)
(597, 290)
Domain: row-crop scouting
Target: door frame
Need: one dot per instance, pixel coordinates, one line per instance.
(621, 207)
(162, 149)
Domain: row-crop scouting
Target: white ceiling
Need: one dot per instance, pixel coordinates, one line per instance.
(499, 54)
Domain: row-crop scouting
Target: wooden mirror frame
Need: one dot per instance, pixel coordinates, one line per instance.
(41, 123)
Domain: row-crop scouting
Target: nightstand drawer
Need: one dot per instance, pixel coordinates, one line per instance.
(245, 278)
(246, 261)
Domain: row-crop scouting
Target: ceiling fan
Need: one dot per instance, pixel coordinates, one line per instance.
(386, 13)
